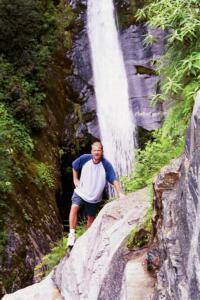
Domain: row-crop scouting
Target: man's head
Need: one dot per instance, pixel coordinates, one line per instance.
(97, 152)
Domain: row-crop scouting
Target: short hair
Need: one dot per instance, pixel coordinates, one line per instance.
(97, 143)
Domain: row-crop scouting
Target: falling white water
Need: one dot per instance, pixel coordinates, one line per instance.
(116, 122)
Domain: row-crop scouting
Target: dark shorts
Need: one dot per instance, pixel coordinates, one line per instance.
(90, 209)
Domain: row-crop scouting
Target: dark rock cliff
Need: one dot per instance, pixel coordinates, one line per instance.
(33, 221)
(176, 220)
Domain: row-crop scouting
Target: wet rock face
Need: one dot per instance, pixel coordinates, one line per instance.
(177, 204)
(142, 79)
(81, 91)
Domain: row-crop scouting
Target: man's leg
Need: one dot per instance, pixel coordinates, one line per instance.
(90, 211)
(73, 216)
(90, 220)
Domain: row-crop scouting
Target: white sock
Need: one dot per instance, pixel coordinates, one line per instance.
(72, 230)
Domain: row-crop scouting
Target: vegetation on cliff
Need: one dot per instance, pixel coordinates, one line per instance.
(32, 33)
(57, 252)
(179, 71)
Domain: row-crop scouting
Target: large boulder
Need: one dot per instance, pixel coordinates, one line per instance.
(45, 290)
(96, 265)
(100, 265)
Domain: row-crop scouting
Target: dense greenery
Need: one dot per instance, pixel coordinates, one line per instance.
(14, 139)
(45, 175)
(31, 32)
(179, 70)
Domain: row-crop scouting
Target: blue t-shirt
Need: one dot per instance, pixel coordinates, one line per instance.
(93, 177)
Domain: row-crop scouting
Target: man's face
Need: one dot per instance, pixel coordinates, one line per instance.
(97, 153)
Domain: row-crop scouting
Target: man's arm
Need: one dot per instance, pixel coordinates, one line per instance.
(118, 189)
(75, 177)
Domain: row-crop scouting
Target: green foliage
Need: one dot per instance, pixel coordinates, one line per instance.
(30, 30)
(181, 64)
(179, 70)
(52, 259)
(65, 20)
(45, 175)
(139, 236)
(81, 227)
(149, 39)
(22, 97)
(13, 134)
(14, 141)
(168, 143)
(182, 16)
(20, 26)
(3, 240)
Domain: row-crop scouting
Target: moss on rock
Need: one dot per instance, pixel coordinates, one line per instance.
(140, 235)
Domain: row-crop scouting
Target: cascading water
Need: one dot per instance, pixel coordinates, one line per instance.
(116, 122)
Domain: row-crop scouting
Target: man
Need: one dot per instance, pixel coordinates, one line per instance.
(94, 170)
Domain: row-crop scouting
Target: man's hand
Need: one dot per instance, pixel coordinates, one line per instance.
(75, 178)
(118, 189)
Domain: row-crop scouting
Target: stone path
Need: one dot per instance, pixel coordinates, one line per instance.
(139, 283)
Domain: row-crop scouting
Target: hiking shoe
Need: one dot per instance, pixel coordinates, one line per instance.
(71, 239)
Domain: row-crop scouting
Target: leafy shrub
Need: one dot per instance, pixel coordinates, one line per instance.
(19, 35)
(31, 31)
(50, 260)
(45, 175)
(179, 71)
(150, 160)
(26, 47)
(138, 238)
(22, 97)
(14, 140)
(181, 64)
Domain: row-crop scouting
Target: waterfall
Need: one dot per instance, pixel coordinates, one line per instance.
(115, 118)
